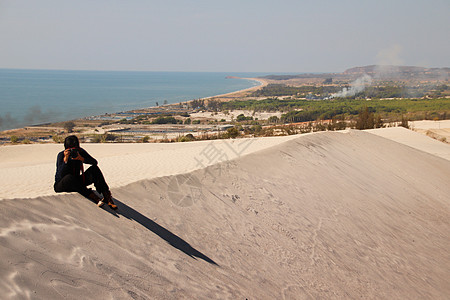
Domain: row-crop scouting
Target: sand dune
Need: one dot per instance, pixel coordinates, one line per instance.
(121, 163)
(338, 215)
(415, 140)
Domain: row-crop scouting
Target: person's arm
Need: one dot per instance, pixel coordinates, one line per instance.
(61, 165)
(86, 158)
(66, 154)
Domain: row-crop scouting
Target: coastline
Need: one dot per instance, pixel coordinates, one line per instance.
(92, 124)
(200, 118)
(134, 92)
(233, 94)
(262, 83)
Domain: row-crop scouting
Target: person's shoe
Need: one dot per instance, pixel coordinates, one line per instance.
(107, 197)
(112, 205)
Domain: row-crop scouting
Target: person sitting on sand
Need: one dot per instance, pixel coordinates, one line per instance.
(69, 165)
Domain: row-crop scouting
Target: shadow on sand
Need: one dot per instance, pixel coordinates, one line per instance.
(174, 240)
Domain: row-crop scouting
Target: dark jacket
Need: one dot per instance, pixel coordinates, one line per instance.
(72, 166)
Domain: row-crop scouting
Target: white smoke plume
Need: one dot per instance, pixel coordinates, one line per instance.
(387, 61)
(388, 58)
(356, 86)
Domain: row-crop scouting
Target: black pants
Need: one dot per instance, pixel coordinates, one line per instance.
(74, 183)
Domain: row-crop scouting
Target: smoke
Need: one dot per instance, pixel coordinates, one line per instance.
(388, 60)
(410, 80)
(390, 56)
(356, 87)
(6, 122)
(33, 116)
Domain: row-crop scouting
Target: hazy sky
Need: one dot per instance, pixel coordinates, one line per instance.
(226, 35)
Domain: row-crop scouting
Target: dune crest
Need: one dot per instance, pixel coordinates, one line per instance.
(331, 215)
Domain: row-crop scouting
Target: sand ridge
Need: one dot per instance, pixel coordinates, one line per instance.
(121, 163)
(414, 140)
(332, 215)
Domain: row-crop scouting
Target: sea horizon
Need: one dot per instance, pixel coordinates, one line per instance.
(36, 96)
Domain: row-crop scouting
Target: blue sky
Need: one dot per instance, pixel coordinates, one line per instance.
(239, 36)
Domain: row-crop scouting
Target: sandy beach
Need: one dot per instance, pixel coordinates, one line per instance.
(331, 215)
(223, 97)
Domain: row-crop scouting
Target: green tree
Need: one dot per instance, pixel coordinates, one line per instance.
(187, 138)
(97, 138)
(273, 120)
(57, 139)
(198, 104)
(365, 119)
(232, 133)
(213, 105)
(242, 117)
(165, 120)
(14, 139)
(109, 137)
(404, 122)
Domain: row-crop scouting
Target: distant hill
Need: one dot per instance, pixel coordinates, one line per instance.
(399, 72)
(377, 71)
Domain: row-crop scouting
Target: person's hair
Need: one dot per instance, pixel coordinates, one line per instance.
(71, 142)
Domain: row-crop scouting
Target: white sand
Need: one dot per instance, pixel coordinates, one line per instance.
(415, 140)
(332, 215)
(439, 130)
(430, 124)
(233, 115)
(29, 170)
(126, 163)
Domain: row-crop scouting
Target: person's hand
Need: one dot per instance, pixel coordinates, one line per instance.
(79, 157)
(66, 155)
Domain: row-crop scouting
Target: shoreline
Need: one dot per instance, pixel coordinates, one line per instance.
(262, 83)
(226, 95)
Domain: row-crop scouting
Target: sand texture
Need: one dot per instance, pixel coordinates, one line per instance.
(121, 163)
(415, 140)
(333, 215)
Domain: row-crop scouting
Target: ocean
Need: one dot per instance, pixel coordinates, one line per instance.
(30, 97)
